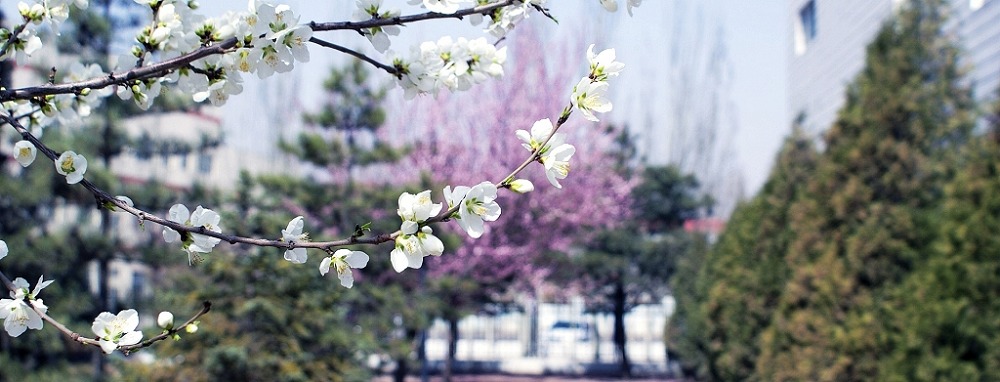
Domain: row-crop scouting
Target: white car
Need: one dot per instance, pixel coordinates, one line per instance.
(568, 332)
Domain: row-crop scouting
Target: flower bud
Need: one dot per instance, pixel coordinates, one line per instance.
(521, 186)
(165, 320)
(192, 327)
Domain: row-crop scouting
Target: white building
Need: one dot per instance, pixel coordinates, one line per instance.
(829, 41)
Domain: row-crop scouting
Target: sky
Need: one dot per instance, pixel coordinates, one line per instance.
(754, 35)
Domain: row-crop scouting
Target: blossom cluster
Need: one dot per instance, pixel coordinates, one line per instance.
(194, 244)
(455, 64)
(69, 164)
(372, 10)
(551, 150)
(590, 94)
(342, 261)
(15, 311)
(268, 39)
(503, 20)
(415, 241)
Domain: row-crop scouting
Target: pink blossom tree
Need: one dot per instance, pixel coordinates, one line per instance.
(511, 256)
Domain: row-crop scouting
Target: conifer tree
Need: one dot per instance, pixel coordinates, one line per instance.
(746, 270)
(862, 225)
(944, 314)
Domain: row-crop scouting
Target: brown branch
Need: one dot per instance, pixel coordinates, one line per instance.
(205, 307)
(126, 349)
(163, 67)
(104, 198)
(143, 72)
(399, 20)
(326, 44)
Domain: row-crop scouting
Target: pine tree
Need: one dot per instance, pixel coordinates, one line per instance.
(862, 225)
(746, 270)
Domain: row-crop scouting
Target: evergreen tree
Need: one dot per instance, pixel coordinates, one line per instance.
(863, 223)
(745, 272)
(944, 314)
(622, 269)
(687, 332)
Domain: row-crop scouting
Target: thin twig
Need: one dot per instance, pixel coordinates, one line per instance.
(206, 306)
(126, 349)
(399, 20)
(326, 44)
(155, 70)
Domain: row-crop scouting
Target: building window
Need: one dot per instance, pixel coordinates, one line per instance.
(807, 16)
(976, 4)
(805, 28)
(205, 163)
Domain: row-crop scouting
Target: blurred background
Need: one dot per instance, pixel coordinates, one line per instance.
(785, 190)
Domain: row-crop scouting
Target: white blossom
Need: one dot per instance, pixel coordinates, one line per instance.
(556, 163)
(610, 5)
(72, 165)
(293, 234)
(24, 153)
(411, 249)
(3, 249)
(540, 130)
(342, 261)
(415, 209)
(18, 316)
(440, 6)
(475, 205)
(372, 10)
(589, 96)
(117, 330)
(456, 64)
(208, 219)
(193, 243)
(603, 64)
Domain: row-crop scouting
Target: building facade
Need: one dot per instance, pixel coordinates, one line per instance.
(828, 44)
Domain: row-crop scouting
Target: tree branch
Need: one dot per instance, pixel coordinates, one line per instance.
(326, 44)
(206, 306)
(104, 199)
(166, 66)
(126, 349)
(400, 20)
(143, 72)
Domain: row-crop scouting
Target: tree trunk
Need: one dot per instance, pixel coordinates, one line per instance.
(402, 368)
(625, 366)
(449, 362)
(597, 340)
(532, 350)
(97, 359)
